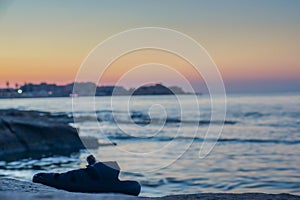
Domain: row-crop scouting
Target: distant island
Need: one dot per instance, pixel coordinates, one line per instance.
(85, 89)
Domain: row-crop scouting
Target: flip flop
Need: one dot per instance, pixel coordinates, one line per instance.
(100, 177)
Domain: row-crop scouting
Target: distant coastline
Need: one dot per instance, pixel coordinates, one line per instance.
(85, 89)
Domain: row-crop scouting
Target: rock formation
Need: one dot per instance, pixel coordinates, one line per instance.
(33, 133)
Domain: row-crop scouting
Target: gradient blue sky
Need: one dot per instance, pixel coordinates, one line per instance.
(255, 44)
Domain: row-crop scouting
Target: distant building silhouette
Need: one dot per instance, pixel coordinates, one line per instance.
(83, 89)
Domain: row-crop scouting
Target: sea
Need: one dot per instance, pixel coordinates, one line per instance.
(158, 140)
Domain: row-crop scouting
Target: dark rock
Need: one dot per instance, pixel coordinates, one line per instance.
(33, 133)
(38, 115)
(9, 143)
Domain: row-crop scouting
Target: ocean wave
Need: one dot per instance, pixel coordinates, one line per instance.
(226, 122)
(40, 164)
(254, 114)
(153, 183)
(141, 118)
(158, 121)
(287, 142)
(198, 139)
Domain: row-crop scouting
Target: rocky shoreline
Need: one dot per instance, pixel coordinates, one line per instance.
(11, 189)
(36, 134)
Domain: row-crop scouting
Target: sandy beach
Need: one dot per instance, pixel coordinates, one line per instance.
(11, 189)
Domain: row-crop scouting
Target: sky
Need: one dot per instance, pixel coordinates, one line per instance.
(255, 44)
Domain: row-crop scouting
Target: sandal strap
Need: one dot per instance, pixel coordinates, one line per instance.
(107, 170)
